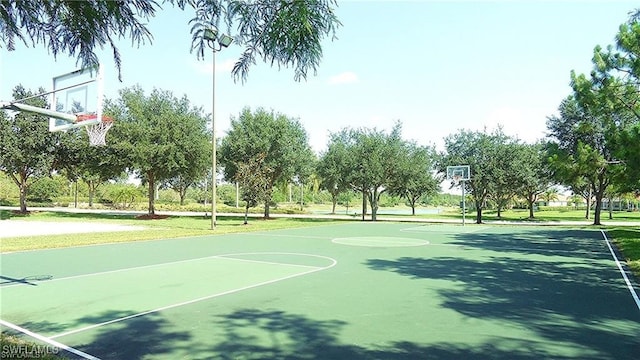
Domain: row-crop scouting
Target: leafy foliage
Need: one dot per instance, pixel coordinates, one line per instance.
(583, 145)
(534, 174)
(27, 148)
(481, 151)
(365, 161)
(280, 140)
(285, 33)
(414, 174)
(160, 136)
(254, 177)
(333, 169)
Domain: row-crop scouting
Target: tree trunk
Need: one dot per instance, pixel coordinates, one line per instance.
(21, 182)
(364, 203)
(152, 197)
(478, 211)
(413, 206)
(246, 213)
(23, 196)
(530, 201)
(588, 200)
(611, 208)
(183, 194)
(266, 209)
(499, 212)
(301, 197)
(599, 196)
(334, 201)
(596, 213)
(373, 200)
(92, 192)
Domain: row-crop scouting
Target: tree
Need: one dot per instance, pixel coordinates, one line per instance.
(413, 175)
(27, 148)
(508, 175)
(478, 150)
(189, 176)
(535, 174)
(95, 165)
(161, 136)
(285, 33)
(549, 195)
(333, 169)
(370, 158)
(254, 176)
(280, 139)
(583, 145)
(613, 89)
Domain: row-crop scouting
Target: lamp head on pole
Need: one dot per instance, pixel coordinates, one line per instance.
(225, 40)
(212, 36)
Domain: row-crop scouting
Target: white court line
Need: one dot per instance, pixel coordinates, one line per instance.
(231, 257)
(47, 340)
(624, 274)
(119, 270)
(223, 256)
(333, 263)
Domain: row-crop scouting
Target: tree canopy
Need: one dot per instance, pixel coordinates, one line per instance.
(582, 148)
(161, 136)
(481, 151)
(282, 33)
(414, 174)
(27, 148)
(280, 140)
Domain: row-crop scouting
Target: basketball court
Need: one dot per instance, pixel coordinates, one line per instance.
(338, 291)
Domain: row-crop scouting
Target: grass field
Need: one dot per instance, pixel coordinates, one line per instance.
(325, 290)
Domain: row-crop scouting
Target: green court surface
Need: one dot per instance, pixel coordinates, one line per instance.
(339, 291)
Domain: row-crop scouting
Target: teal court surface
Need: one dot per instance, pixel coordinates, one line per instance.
(337, 291)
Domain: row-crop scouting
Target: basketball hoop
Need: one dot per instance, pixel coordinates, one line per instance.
(97, 131)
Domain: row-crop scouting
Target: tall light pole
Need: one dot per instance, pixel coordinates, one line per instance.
(216, 42)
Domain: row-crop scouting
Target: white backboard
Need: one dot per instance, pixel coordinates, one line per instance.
(79, 92)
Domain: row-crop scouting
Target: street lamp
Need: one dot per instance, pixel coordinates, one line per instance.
(216, 42)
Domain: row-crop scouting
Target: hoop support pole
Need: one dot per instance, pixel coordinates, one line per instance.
(42, 111)
(464, 210)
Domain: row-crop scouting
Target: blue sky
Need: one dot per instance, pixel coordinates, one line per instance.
(436, 66)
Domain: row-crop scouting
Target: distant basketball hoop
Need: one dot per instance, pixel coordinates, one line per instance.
(458, 175)
(97, 131)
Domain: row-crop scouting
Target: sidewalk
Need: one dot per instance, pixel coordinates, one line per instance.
(469, 220)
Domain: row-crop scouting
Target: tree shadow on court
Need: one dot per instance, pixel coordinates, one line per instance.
(570, 243)
(575, 304)
(273, 334)
(136, 338)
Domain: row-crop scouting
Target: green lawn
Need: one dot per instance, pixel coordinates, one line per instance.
(171, 227)
(628, 241)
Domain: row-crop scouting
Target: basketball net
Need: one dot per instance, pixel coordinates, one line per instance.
(456, 179)
(97, 132)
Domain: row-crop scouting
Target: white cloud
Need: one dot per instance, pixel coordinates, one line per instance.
(347, 77)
